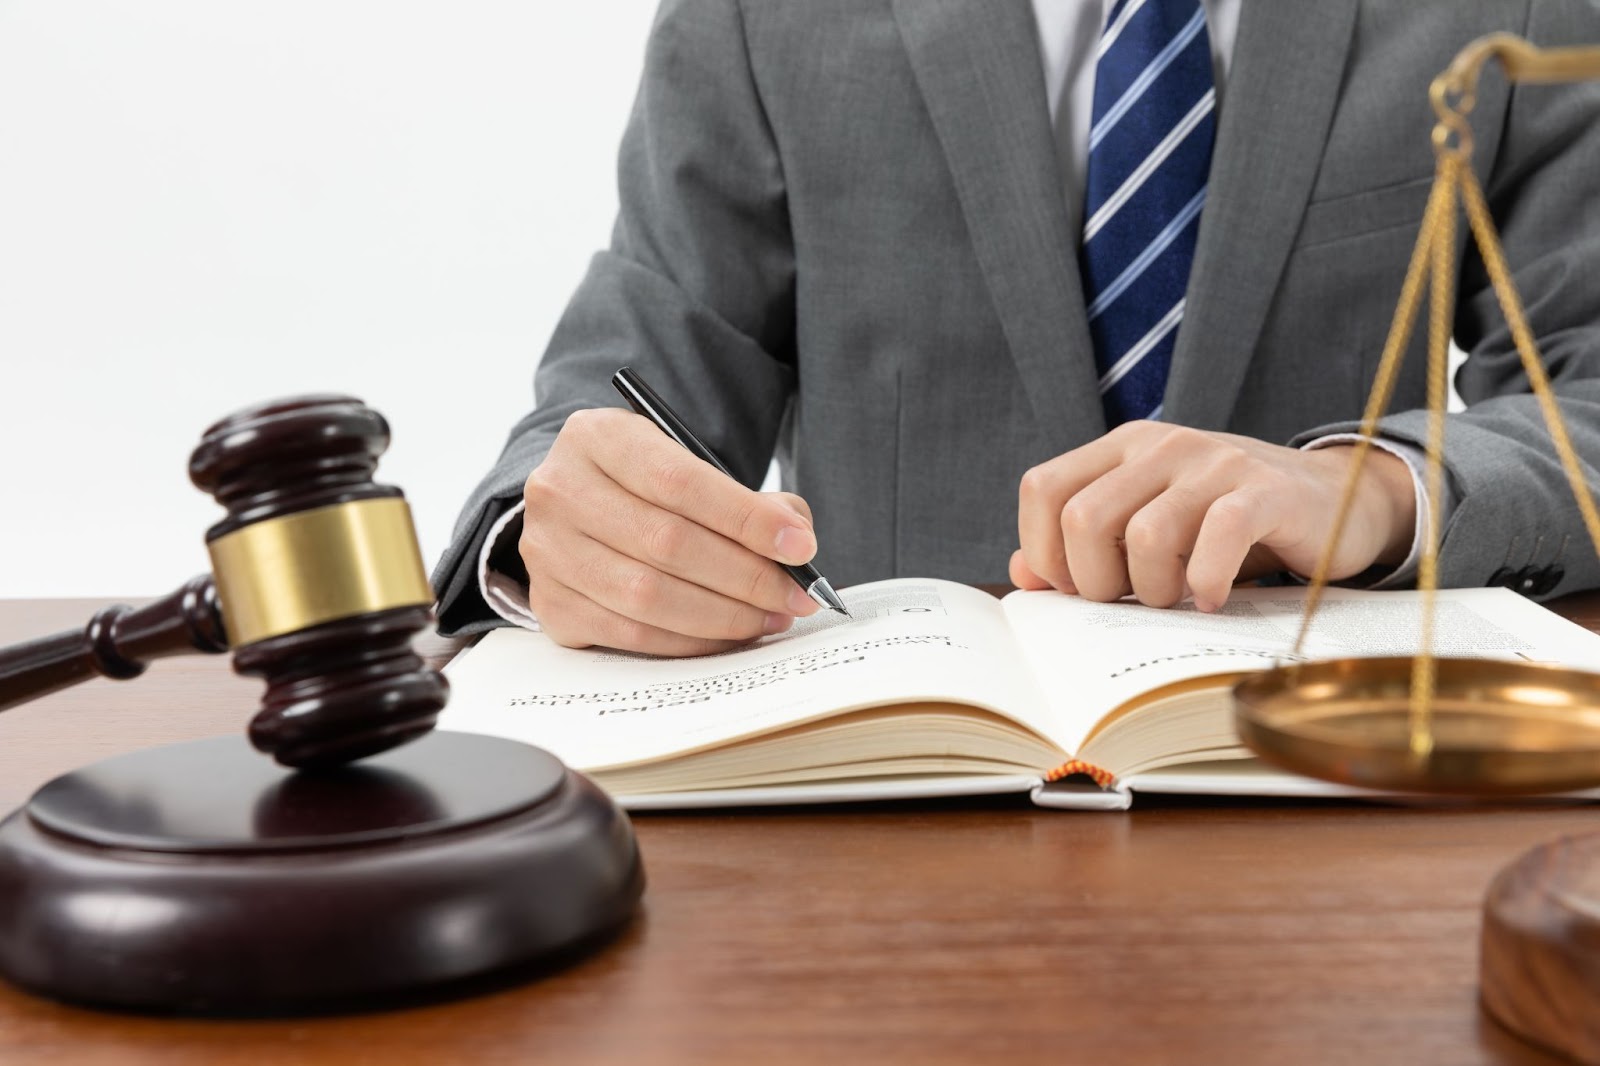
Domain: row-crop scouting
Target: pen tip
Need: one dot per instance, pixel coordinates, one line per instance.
(823, 593)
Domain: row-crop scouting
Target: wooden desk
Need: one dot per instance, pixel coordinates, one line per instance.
(956, 932)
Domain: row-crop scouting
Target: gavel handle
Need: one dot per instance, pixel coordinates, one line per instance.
(118, 642)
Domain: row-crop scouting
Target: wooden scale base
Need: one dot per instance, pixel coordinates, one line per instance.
(1541, 947)
(204, 878)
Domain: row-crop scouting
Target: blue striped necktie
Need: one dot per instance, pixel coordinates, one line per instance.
(1149, 154)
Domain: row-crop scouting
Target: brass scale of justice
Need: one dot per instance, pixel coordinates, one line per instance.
(1465, 726)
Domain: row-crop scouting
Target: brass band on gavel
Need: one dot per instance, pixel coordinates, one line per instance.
(299, 570)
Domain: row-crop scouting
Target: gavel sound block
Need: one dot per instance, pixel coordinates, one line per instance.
(1540, 956)
(374, 858)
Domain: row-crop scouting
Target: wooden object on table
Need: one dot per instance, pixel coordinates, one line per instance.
(119, 642)
(241, 886)
(318, 587)
(203, 878)
(320, 579)
(919, 933)
(1541, 947)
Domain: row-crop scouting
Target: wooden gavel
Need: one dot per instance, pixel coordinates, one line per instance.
(200, 878)
(317, 585)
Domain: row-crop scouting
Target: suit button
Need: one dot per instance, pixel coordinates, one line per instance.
(1549, 578)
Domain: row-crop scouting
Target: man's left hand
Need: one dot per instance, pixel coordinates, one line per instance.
(1163, 511)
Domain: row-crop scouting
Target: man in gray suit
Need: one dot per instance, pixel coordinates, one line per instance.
(860, 235)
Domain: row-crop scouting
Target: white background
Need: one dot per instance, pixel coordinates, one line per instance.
(205, 204)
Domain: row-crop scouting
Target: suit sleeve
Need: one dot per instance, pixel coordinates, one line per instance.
(1514, 505)
(696, 290)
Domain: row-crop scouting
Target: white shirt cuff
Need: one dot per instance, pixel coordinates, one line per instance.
(506, 596)
(1416, 461)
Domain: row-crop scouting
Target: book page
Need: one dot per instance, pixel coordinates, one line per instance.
(910, 640)
(1090, 658)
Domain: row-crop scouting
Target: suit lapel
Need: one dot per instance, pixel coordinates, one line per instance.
(979, 69)
(1277, 107)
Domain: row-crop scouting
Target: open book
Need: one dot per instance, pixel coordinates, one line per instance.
(938, 689)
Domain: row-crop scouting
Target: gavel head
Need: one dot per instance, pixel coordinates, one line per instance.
(319, 578)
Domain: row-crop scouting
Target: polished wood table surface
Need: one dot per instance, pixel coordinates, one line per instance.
(978, 931)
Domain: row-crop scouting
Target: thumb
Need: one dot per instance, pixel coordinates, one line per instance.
(1022, 577)
(796, 504)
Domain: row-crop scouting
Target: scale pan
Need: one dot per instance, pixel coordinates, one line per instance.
(1499, 728)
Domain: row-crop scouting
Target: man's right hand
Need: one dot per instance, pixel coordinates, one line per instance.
(633, 543)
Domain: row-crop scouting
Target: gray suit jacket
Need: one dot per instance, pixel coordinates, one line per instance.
(844, 239)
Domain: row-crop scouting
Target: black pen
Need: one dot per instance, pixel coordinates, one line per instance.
(643, 399)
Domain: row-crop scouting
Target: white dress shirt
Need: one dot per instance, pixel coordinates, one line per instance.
(1068, 33)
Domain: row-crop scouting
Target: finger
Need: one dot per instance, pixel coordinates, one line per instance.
(1046, 488)
(678, 546)
(642, 460)
(1159, 539)
(574, 621)
(1023, 577)
(640, 592)
(1094, 524)
(1043, 492)
(797, 504)
(1233, 524)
